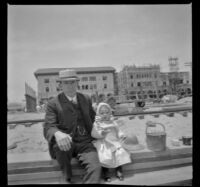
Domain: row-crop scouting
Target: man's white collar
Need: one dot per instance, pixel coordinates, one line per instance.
(74, 99)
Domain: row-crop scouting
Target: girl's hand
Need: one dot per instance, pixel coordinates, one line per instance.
(121, 136)
(97, 119)
(105, 131)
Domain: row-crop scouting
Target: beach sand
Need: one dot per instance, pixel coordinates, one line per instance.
(31, 139)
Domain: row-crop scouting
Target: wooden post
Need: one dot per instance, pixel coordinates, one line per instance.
(30, 96)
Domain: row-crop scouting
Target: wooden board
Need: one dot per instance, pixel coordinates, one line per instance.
(179, 175)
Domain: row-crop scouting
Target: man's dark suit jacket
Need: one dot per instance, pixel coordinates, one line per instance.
(54, 118)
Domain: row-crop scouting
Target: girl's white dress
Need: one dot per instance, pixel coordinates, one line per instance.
(111, 153)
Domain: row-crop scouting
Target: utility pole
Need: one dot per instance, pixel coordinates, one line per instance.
(190, 65)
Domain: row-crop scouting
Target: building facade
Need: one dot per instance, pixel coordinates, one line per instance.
(148, 81)
(93, 80)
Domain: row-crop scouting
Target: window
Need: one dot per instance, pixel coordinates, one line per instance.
(131, 84)
(91, 87)
(187, 82)
(83, 87)
(46, 80)
(86, 87)
(105, 86)
(180, 82)
(78, 87)
(92, 78)
(47, 89)
(104, 78)
(58, 89)
(164, 83)
(138, 84)
(95, 86)
(131, 76)
(84, 78)
(148, 83)
(155, 75)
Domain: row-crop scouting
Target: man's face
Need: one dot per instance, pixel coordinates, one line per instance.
(69, 87)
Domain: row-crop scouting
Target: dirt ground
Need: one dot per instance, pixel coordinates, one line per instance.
(30, 139)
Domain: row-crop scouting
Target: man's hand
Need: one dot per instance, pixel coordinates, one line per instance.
(63, 140)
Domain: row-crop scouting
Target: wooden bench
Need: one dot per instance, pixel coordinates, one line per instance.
(169, 167)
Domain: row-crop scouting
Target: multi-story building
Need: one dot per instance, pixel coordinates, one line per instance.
(180, 81)
(149, 81)
(134, 79)
(93, 80)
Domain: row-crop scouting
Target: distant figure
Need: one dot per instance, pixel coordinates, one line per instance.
(94, 105)
(25, 109)
(38, 108)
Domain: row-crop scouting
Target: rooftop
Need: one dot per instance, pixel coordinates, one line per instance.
(47, 71)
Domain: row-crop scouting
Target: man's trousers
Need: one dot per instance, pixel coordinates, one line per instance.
(87, 156)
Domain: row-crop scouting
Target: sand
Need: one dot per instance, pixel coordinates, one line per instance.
(31, 140)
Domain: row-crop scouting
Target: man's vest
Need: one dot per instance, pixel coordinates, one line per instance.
(79, 133)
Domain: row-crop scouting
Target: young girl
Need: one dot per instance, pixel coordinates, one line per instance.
(109, 137)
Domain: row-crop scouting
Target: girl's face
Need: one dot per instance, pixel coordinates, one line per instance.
(104, 113)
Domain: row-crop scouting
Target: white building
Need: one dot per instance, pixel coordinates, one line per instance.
(93, 80)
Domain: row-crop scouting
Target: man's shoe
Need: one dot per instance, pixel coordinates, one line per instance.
(64, 180)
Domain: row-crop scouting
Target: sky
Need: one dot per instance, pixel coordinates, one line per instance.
(65, 36)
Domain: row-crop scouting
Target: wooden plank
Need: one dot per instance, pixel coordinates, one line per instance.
(25, 121)
(51, 180)
(160, 158)
(47, 166)
(158, 168)
(164, 110)
(29, 164)
(160, 177)
(38, 176)
(178, 109)
(136, 157)
(172, 162)
(129, 167)
(173, 151)
(178, 183)
(157, 177)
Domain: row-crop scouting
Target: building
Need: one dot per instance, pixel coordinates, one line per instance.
(135, 80)
(180, 82)
(149, 82)
(93, 80)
